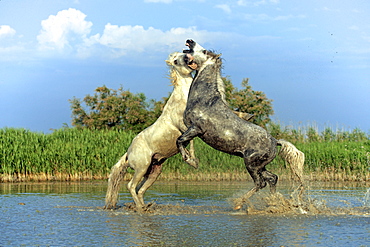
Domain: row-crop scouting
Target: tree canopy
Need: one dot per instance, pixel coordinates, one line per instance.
(109, 108)
(250, 101)
(121, 109)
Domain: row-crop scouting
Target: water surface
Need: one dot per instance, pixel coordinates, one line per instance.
(198, 214)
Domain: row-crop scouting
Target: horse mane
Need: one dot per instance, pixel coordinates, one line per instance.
(220, 82)
(173, 76)
(212, 54)
(218, 65)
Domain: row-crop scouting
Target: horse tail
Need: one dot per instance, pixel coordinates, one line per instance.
(115, 178)
(294, 157)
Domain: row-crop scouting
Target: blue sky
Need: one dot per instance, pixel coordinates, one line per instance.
(312, 58)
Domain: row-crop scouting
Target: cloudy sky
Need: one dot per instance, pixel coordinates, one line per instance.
(312, 58)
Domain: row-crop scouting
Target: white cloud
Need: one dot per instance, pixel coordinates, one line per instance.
(64, 27)
(328, 9)
(69, 33)
(126, 37)
(158, 1)
(354, 27)
(256, 3)
(123, 40)
(287, 17)
(226, 8)
(6, 31)
(10, 46)
(356, 11)
(265, 17)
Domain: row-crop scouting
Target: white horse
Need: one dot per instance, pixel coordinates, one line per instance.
(151, 147)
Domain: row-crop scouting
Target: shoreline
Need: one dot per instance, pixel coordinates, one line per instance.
(320, 176)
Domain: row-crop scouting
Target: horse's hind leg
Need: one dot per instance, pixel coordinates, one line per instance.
(271, 179)
(183, 141)
(259, 183)
(132, 185)
(255, 168)
(150, 177)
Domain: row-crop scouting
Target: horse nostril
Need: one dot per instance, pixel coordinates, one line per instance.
(175, 62)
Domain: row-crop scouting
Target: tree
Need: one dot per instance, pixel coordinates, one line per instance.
(250, 101)
(119, 109)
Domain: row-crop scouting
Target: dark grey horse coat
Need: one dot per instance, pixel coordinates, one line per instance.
(207, 115)
(209, 118)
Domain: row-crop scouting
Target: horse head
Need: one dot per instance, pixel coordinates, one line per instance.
(176, 61)
(193, 47)
(197, 57)
(178, 67)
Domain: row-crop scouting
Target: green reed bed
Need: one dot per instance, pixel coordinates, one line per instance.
(65, 154)
(324, 161)
(75, 154)
(335, 160)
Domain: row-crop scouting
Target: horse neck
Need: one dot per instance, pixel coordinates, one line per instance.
(218, 83)
(176, 103)
(182, 84)
(180, 93)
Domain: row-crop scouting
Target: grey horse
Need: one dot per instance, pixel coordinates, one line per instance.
(209, 118)
(152, 146)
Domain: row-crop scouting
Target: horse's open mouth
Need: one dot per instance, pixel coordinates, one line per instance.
(191, 44)
(189, 60)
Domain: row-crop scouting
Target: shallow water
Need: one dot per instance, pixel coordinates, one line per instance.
(184, 214)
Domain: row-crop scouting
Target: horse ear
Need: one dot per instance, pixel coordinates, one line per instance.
(219, 55)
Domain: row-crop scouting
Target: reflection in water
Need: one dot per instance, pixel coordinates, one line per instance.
(259, 229)
(137, 230)
(184, 214)
(367, 198)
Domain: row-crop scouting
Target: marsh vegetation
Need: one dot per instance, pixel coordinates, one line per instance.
(82, 154)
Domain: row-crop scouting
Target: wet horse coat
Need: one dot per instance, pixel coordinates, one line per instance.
(151, 147)
(209, 118)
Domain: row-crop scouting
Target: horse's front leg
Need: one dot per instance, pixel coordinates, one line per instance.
(183, 141)
(192, 155)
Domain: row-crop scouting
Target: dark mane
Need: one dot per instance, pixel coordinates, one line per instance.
(208, 117)
(212, 54)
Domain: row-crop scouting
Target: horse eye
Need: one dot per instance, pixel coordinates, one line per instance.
(175, 62)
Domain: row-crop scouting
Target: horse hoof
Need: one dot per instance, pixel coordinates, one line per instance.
(195, 166)
(193, 163)
(237, 207)
(110, 207)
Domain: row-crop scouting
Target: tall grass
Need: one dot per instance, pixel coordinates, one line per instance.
(80, 154)
(65, 154)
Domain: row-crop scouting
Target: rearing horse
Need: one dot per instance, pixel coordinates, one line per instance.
(209, 118)
(152, 146)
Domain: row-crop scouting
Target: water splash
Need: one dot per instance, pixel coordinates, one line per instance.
(308, 203)
(367, 198)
